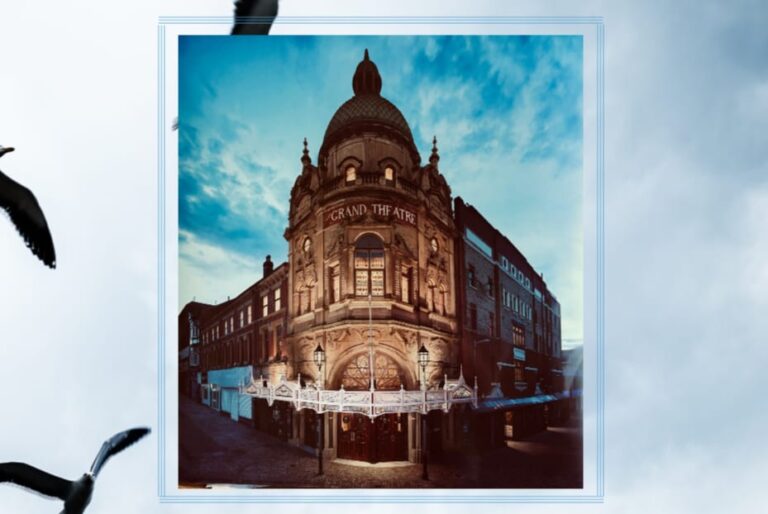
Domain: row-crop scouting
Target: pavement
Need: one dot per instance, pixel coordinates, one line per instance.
(213, 449)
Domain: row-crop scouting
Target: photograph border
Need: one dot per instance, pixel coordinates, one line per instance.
(166, 370)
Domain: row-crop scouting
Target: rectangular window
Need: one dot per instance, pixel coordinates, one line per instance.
(277, 299)
(231, 324)
(377, 282)
(369, 272)
(361, 259)
(518, 335)
(471, 276)
(361, 283)
(242, 319)
(504, 262)
(264, 305)
(405, 285)
(250, 314)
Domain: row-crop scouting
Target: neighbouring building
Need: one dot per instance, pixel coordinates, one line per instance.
(400, 315)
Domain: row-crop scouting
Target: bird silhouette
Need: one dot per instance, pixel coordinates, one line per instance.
(26, 214)
(254, 17)
(76, 493)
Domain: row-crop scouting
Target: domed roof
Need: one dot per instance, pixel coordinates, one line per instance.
(367, 109)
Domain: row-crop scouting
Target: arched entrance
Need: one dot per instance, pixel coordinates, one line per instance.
(384, 438)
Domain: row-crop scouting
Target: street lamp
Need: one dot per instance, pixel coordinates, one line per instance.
(319, 361)
(319, 356)
(423, 359)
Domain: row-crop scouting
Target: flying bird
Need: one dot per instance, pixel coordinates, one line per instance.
(26, 214)
(77, 493)
(254, 16)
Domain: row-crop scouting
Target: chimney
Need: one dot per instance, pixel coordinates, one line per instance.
(268, 266)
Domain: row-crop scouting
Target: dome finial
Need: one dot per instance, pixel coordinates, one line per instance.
(367, 80)
(305, 158)
(434, 157)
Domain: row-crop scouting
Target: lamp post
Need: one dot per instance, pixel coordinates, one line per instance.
(371, 370)
(319, 356)
(423, 359)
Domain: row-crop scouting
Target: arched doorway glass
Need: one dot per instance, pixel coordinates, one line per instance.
(356, 376)
(385, 438)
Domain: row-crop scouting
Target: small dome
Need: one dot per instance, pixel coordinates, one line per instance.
(367, 109)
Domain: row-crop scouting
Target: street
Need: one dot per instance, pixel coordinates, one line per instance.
(216, 450)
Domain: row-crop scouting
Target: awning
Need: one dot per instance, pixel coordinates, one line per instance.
(509, 403)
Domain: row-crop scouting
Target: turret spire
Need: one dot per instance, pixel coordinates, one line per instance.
(435, 157)
(306, 160)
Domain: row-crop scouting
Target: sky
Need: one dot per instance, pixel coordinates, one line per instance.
(685, 244)
(506, 111)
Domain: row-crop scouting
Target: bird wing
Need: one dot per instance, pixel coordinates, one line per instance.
(116, 444)
(35, 479)
(26, 214)
(245, 9)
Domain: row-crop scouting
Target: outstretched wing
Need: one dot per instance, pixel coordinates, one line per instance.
(35, 479)
(254, 17)
(116, 444)
(28, 218)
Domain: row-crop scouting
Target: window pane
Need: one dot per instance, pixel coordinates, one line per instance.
(361, 283)
(377, 259)
(361, 259)
(377, 283)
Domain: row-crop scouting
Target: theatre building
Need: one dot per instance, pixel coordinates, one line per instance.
(366, 342)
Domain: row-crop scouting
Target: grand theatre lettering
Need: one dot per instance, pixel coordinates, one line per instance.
(355, 211)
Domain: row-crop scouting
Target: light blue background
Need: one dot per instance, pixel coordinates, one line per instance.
(686, 246)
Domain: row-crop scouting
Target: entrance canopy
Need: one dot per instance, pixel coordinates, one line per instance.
(371, 403)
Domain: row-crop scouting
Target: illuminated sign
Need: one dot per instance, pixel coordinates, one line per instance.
(519, 354)
(381, 210)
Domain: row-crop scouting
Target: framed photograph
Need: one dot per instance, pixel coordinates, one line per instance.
(379, 255)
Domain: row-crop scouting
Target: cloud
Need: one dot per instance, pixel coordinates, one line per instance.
(506, 111)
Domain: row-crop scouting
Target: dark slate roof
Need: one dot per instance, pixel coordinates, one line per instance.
(368, 109)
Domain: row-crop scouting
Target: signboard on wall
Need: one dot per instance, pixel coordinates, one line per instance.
(384, 211)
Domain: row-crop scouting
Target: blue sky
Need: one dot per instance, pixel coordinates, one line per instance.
(506, 110)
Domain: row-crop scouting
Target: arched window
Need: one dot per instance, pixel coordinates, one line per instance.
(389, 173)
(351, 173)
(369, 266)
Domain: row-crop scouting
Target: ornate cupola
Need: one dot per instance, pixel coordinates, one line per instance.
(368, 112)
